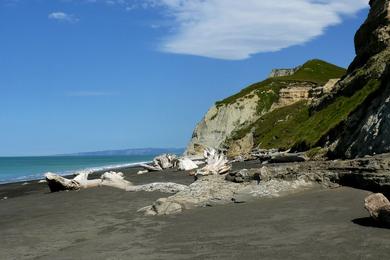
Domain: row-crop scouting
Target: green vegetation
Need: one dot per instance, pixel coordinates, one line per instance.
(246, 91)
(294, 125)
(315, 71)
(279, 128)
(321, 122)
(291, 125)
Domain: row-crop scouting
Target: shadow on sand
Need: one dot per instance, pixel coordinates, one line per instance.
(369, 222)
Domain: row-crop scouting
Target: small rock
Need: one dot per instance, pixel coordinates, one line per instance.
(165, 207)
(4, 198)
(142, 172)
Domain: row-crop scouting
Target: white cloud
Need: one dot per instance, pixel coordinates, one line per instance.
(64, 17)
(237, 29)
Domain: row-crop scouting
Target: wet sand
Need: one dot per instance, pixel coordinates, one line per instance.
(102, 223)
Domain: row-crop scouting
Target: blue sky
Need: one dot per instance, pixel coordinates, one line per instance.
(94, 74)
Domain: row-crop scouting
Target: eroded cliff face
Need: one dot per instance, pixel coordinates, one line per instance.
(220, 121)
(367, 129)
(226, 120)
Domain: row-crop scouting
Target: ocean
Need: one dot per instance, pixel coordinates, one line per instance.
(15, 169)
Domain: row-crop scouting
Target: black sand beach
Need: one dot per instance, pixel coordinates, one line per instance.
(103, 223)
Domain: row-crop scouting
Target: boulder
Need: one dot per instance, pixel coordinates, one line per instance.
(379, 208)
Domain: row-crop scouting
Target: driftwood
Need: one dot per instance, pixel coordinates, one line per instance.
(379, 208)
(161, 162)
(186, 164)
(108, 179)
(151, 168)
(165, 161)
(275, 156)
(216, 163)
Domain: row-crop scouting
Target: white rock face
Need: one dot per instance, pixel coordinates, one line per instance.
(330, 85)
(220, 122)
(283, 72)
(295, 93)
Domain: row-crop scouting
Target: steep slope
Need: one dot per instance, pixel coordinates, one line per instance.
(230, 123)
(367, 130)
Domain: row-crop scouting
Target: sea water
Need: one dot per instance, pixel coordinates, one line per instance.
(14, 169)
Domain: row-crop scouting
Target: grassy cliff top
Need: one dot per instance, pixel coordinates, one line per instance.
(316, 71)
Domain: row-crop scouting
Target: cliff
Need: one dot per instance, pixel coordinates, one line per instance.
(367, 130)
(310, 108)
(229, 123)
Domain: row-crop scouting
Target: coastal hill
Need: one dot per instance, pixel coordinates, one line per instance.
(317, 107)
(266, 114)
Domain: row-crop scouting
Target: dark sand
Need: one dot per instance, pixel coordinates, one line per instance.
(102, 223)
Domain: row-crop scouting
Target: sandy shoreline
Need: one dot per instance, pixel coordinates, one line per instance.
(102, 223)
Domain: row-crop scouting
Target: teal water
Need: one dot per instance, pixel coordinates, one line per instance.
(14, 169)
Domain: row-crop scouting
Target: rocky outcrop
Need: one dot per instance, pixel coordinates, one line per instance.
(330, 85)
(367, 129)
(220, 122)
(369, 173)
(283, 72)
(297, 91)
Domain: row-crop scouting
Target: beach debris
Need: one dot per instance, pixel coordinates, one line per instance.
(276, 156)
(161, 207)
(161, 162)
(4, 198)
(59, 183)
(42, 181)
(241, 176)
(379, 208)
(108, 179)
(186, 164)
(165, 187)
(25, 183)
(142, 172)
(151, 168)
(166, 161)
(216, 163)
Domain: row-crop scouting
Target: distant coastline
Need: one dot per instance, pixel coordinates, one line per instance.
(132, 152)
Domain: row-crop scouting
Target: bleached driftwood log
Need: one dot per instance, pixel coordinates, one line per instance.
(161, 162)
(151, 168)
(379, 208)
(58, 183)
(216, 163)
(165, 161)
(186, 164)
(109, 179)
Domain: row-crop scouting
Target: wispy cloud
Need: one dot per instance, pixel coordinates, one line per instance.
(237, 29)
(63, 17)
(90, 94)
